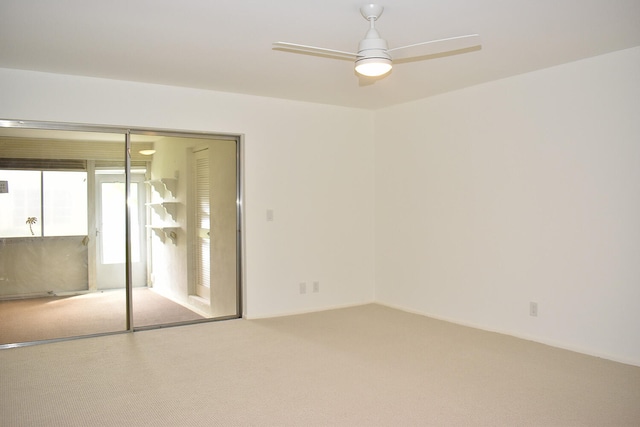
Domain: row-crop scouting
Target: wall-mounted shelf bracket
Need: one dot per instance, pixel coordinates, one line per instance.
(163, 208)
(164, 185)
(165, 233)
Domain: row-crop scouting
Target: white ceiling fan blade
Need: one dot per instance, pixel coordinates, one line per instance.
(434, 47)
(315, 50)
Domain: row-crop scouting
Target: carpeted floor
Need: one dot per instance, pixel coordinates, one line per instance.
(61, 317)
(362, 366)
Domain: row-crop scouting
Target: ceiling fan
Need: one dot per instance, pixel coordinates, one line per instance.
(374, 58)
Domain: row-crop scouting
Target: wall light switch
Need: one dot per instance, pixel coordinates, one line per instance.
(269, 215)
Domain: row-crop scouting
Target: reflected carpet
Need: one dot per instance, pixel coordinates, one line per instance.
(53, 317)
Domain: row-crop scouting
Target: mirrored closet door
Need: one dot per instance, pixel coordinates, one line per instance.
(106, 230)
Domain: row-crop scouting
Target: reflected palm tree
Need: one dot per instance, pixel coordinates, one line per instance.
(31, 220)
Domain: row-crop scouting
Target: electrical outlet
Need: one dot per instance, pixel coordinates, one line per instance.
(316, 287)
(533, 309)
(303, 288)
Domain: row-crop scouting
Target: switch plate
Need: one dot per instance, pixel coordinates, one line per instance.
(303, 288)
(533, 309)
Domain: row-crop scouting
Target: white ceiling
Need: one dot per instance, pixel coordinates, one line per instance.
(225, 45)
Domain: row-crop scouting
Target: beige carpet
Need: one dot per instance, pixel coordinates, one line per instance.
(361, 366)
(59, 317)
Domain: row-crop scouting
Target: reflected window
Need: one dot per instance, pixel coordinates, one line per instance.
(43, 203)
(65, 203)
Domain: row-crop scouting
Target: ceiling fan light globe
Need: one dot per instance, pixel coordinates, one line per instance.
(373, 67)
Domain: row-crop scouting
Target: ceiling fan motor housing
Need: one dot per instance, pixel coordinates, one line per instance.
(373, 46)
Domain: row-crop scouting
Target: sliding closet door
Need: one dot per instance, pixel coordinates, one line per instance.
(193, 223)
(48, 235)
(108, 230)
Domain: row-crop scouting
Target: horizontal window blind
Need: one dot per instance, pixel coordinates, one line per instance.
(42, 164)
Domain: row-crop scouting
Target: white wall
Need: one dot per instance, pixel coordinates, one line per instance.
(311, 164)
(524, 189)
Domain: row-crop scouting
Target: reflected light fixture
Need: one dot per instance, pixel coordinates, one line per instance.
(147, 152)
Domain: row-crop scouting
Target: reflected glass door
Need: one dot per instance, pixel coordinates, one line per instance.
(110, 232)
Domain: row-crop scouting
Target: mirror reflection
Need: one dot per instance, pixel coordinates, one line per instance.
(63, 233)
